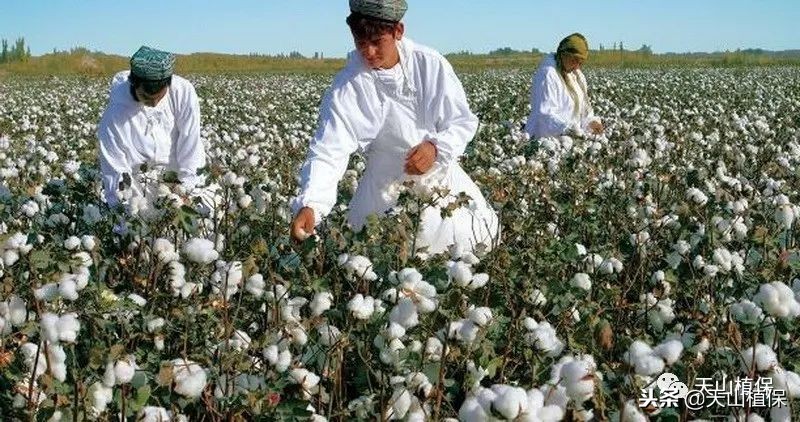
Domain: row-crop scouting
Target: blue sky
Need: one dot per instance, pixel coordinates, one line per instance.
(307, 26)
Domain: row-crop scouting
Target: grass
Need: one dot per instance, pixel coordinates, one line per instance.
(99, 64)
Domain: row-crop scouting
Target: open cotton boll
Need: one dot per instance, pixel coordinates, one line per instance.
(762, 356)
(305, 378)
(581, 281)
(155, 324)
(154, 414)
(189, 378)
(255, 285)
(747, 312)
(577, 377)
(696, 196)
(88, 242)
(72, 243)
(68, 289)
(787, 381)
(543, 337)
(361, 307)
(124, 370)
(643, 359)
(510, 402)
(359, 267)
(459, 273)
(49, 325)
(778, 300)
(321, 302)
(463, 330)
(47, 292)
(670, 351)
(538, 298)
(200, 251)
(477, 406)
(481, 316)
(28, 351)
(399, 404)
(99, 397)
(631, 413)
(328, 334)
(17, 312)
(164, 250)
(405, 313)
(434, 349)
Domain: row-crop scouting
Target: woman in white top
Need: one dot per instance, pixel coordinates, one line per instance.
(559, 95)
(152, 118)
(403, 106)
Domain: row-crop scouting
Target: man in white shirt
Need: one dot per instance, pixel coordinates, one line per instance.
(402, 104)
(152, 119)
(559, 95)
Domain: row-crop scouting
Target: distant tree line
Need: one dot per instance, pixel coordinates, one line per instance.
(18, 52)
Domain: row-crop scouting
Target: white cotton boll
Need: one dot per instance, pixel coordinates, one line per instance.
(239, 341)
(778, 300)
(321, 302)
(56, 417)
(780, 414)
(138, 300)
(49, 326)
(72, 243)
(305, 378)
(481, 316)
(478, 280)
(68, 289)
(459, 273)
(360, 267)
(510, 401)
(477, 408)
(697, 196)
(155, 324)
(57, 358)
(670, 351)
(10, 257)
(538, 298)
(362, 308)
(299, 336)
(398, 404)
(17, 311)
(433, 349)
(270, 354)
(787, 381)
(255, 285)
(580, 249)
(88, 242)
(643, 359)
(544, 338)
(578, 379)
(154, 414)
(328, 334)
(124, 370)
(158, 342)
(405, 313)
(189, 378)
(470, 259)
(631, 413)
(200, 251)
(284, 361)
(747, 312)
(109, 377)
(581, 281)
(765, 358)
(785, 216)
(100, 396)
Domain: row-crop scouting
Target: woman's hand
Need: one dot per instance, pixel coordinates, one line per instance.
(421, 158)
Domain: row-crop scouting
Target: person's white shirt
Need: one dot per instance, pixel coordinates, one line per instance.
(386, 113)
(166, 136)
(553, 111)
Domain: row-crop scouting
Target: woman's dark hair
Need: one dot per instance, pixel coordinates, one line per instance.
(149, 87)
(367, 27)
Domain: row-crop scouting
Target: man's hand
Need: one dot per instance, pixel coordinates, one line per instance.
(303, 224)
(596, 127)
(421, 158)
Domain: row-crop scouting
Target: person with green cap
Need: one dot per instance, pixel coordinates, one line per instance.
(152, 119)
(559, 95)
(403, 106)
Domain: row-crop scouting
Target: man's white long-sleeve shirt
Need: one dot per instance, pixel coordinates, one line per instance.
(168, 135)
(352, 114)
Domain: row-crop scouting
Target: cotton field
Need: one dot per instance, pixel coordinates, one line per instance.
(668, 245)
